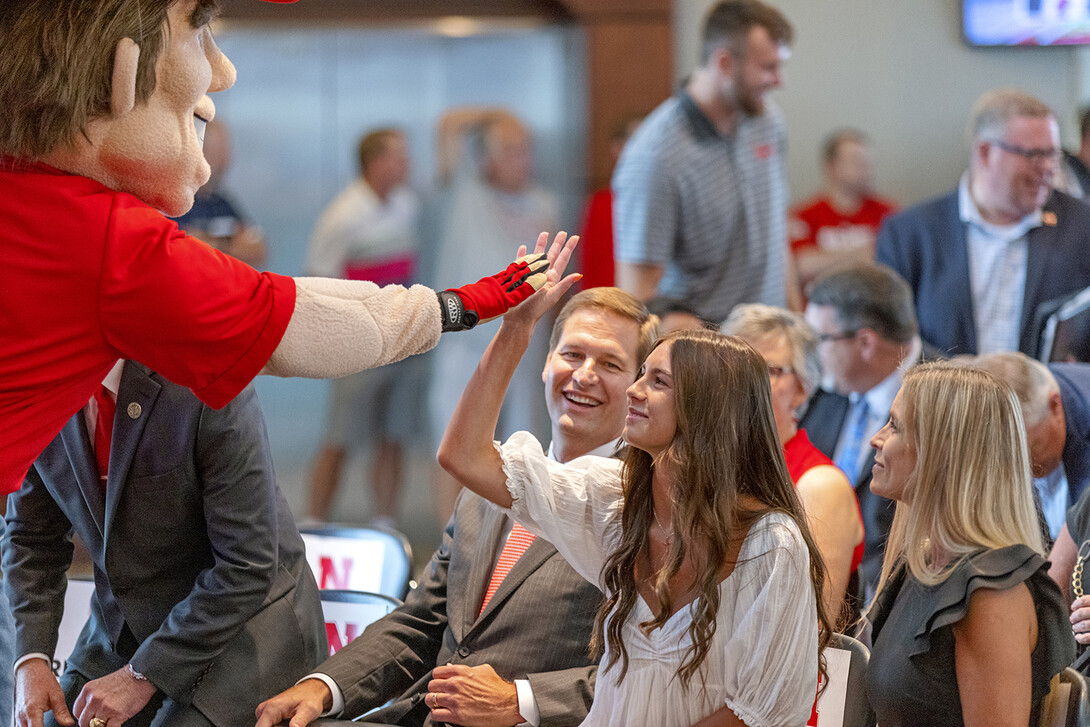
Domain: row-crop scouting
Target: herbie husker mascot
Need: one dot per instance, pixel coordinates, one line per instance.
(105, 103)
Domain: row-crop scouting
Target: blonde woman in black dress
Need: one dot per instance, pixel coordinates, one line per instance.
(967, 627)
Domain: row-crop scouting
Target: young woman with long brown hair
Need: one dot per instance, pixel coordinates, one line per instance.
(713, 584)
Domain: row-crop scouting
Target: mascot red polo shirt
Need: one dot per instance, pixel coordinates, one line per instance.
(90, 275)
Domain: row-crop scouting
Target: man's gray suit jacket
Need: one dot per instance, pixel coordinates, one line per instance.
(537, 626)
(195, 552)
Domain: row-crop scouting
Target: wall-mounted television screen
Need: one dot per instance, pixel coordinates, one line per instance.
(1026, 22)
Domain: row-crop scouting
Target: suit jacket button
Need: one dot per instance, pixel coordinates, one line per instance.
(463, 652)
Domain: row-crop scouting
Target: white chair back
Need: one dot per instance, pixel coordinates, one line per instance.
(1066, 704)
(359, 559)
(348, 613)
(844, 702)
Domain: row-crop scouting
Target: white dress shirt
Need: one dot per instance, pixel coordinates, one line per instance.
(997, 273)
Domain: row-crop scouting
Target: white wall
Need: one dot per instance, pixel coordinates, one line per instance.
(900, 71)
(304, 96)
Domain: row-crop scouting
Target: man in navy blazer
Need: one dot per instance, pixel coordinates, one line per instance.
(983, 259)
(204, 603)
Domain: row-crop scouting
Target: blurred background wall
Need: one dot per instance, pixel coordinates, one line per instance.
(308, 87)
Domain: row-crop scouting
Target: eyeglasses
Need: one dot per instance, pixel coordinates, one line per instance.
(842, 336)
(775, 372)
(1035, 156)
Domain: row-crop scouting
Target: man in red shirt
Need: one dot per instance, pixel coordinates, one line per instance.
(839, 225)
(105, 106)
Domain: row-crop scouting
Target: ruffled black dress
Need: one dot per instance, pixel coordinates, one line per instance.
(911, 678)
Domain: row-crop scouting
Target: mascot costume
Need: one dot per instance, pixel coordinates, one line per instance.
(106, 101)
(105, 104)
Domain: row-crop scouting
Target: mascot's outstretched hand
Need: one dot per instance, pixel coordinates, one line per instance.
(494, 295)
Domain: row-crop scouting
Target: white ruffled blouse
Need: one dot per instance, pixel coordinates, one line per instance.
(763, 660)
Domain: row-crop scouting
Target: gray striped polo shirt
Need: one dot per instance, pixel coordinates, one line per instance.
(710, 208)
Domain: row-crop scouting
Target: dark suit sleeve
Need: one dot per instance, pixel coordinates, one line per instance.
(37, 553)
(397, 650)
(235, 470)
(563, 697)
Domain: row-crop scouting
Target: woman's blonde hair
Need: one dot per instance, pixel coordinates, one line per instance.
(971, 486)
(726, 446)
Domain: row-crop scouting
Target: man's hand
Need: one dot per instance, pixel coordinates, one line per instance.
(1080, 619)
(472, 697)
(115, 698)
(301, 704)
(37, 692)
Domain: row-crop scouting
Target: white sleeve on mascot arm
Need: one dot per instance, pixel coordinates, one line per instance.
(340, 327)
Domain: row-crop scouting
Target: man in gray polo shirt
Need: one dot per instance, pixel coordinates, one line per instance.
(700, 189)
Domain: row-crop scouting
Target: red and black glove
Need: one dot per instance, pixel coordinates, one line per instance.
(462, 308)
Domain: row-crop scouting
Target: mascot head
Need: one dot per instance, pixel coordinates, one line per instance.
(115, 90)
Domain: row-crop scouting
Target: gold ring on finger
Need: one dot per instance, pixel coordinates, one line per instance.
(97, 722)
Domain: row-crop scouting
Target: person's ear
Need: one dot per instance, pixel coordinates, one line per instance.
(868, 341)
(982, 152)
(723, 60)
(800, 396)
(123, 81)
(545, 369)
(1056, 406)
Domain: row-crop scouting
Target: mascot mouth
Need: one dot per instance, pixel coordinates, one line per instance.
(199, 124)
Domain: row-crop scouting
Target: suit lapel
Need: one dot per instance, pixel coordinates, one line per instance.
(824, 418)
(957, 260)
(490, 528)
(81, 457)
(135, 397)
(538, 552)
(1039, 247)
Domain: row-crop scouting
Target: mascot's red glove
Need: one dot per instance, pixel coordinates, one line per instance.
(462, 308)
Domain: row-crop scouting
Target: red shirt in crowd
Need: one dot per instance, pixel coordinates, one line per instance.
(91, 275)
(802, 456)
(819, 225)
(596, 241)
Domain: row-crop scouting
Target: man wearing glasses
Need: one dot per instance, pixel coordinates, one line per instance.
(981, 259)
(867, 337)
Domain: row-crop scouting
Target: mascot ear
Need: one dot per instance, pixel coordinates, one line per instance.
(123, 83)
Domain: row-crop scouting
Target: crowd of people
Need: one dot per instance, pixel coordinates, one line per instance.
(780, 425)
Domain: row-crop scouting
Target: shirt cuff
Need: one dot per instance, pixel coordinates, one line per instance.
(338, 698)
(527, 703)
(33, 655)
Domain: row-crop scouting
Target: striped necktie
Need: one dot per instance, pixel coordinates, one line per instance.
(517, 543)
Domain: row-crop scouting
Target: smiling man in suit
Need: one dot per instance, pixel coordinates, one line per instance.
(983, 260)
(204, 603)
(867, 339)
(472, 645)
